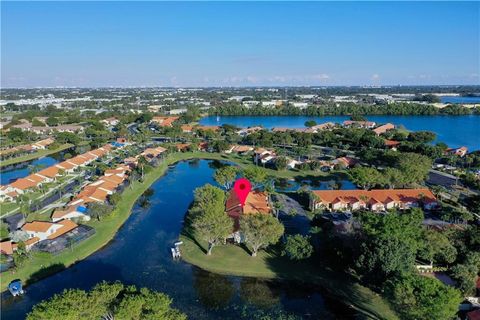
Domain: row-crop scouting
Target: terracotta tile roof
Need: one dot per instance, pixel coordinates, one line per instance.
(67, 225)
(182, 146)
(242, 148)
(187, 128)
(114, 179)
(384, 128)
(60, 213)
(165, 121)
(23, 184)
(45, 142)
(391, 143)
(78, 160)
(206, 128)
(37, 226)
(35, 178)
(6, 247)
(99, 195)
(347, 161)
(66, 165)
(50, 172)
(32, 241)
(376, 195)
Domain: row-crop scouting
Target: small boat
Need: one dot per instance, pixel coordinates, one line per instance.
(176, 250)
(15, 288)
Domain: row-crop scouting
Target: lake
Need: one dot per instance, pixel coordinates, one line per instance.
(21, 170)
(455, 131)
(460, 100)
(140, 254)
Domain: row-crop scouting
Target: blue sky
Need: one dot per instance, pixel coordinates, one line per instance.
(239, 44)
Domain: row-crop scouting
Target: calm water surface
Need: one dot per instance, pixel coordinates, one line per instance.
(22, 170)
(455, 131)
(140, 254)
(456, 99)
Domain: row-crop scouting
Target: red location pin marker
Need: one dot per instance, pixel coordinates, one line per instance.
(242, 188)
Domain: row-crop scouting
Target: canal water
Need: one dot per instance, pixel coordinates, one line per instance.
(140, 254)
(455, 131)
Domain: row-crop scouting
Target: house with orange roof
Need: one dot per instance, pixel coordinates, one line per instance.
(383, 128)
(183, 147)
(41, 229)
(263, 155)
(79, 161)
(187, 128)
(164, 121)
(375, 200)
(239, 149)
(22, 185)
(461, 152)
(246, 131)
(346, 162)
(71, 212)
(153, 153)
(38, 179)
(50, 172)
(42, 144)
(257, 202)
(66, 166)
(6, 247)
(208, 128)
(391, 144)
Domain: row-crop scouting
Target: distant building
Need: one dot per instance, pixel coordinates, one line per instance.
(383, 128)
(375, 200)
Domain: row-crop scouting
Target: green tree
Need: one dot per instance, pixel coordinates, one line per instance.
(281, 163)
(225, 176)
(52, 121)
(260, 231)
(107, 301)
(414, 166)
(310, 123)
(99, 210)
(421, 298)
(208, 216)
(366, 177)
(298, 247)
(256, 175)
(391, 244)
(437, 248)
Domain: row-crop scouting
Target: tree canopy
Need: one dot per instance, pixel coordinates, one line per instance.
(260, 230)
(106, 301)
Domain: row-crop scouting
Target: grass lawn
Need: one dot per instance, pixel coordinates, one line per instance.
(235, 260)
(35, 155)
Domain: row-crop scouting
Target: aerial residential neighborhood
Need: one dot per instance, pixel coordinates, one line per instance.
(240, 160)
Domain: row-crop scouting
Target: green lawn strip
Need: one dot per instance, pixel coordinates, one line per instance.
(35, 155)
(234, 260)
(41, 266)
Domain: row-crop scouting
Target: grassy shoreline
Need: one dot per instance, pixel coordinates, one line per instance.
(35, 155)
(41, 266)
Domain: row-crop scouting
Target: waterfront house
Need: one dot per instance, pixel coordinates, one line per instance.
(42, 144)
(153, 153)
(383, 128)
(66, 166)
(359, 124)
(71, 212)
(43, 230)
(346, 162)
(256, 202)
(375, 200)
(183, 147)
(50, 172)
(22, 185)
(461, 152)
(246, 131)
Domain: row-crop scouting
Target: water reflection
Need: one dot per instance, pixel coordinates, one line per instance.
(259, 293)
(214, 291)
